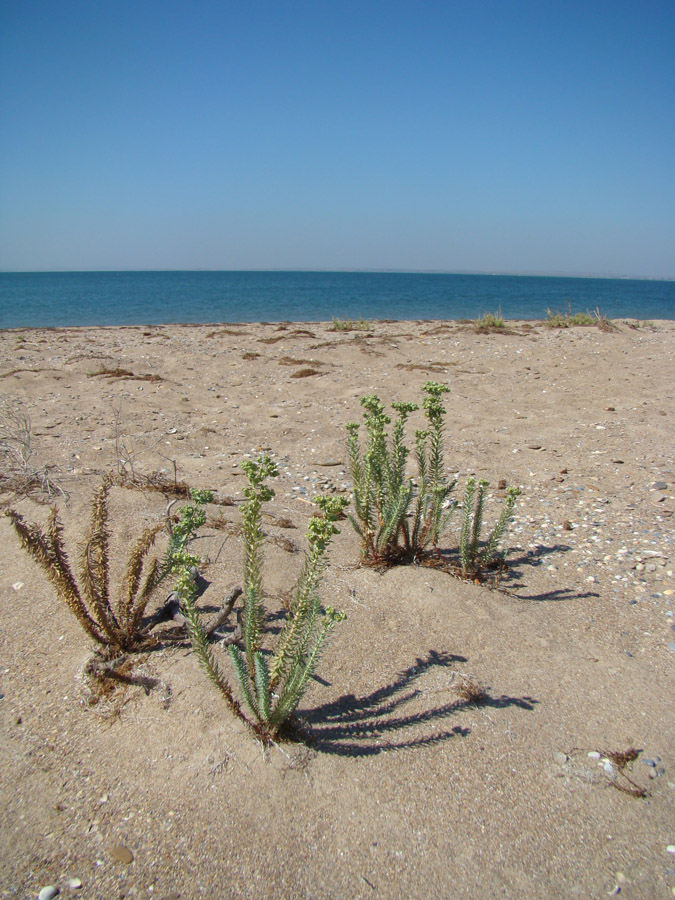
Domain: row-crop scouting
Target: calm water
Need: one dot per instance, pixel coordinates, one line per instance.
(129, 298)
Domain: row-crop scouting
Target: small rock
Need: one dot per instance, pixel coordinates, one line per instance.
(657, 498)
(670, 848)
(48, 892)
(660, 486)
(534, 446)
(649, 762)
(329, 462)
(561, 758)
(74, 884)
(17, 585)
(671, 646)
(121, 853)
(594, 754)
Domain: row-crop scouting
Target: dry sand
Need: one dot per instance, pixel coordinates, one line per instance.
(407, 790)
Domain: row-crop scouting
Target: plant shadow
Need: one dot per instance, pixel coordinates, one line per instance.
(368, 725)
(511, 578)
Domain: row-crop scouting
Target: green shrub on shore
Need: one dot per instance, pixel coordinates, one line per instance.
(383, 496)
(271, 681)
(582, 319)
(489, 322)
(395, 521)
(359, 324)
(474, 554)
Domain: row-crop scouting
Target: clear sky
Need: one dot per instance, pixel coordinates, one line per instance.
(473, 136)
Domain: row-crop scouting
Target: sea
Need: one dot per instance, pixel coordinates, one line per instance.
(57, 299)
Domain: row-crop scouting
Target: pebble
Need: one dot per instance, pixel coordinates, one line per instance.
(17, 585)
(594, 754)
(561, 758)
(121, 853)
(74, 884)
(671, 646)
(48, 892)
(649, 762)
(670, 848)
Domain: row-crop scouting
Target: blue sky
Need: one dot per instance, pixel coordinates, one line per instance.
(476, 136)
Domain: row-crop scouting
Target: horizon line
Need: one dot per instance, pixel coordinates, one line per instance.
(370, 271)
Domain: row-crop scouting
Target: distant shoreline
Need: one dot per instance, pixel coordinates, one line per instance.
(467, 325)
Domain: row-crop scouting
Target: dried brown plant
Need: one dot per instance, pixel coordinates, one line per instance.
(471, 692)
(115, 625)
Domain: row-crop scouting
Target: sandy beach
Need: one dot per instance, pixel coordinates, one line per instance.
(406, 790)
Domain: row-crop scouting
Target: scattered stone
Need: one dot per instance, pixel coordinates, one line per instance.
(122, 854)
(657, 498)
(594, 754)
(17, 585)
(74, 884)
(561, 758)
(649, 762)
(670, 848)
(329, 462)
(534, 446)
(660, 486)
(48, 892)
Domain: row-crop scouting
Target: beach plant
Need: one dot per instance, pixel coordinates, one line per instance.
(474, 553)
(115, 624)
(583, 319)
(359, 324)
(489, 322)
(271, 681)
(18, 472)
(391, 526)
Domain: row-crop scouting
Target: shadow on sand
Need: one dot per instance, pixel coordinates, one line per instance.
(370, 724)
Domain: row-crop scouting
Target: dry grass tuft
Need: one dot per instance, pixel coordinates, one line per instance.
(293, 361)
(471, 692)
(105, 372)
(305, 373)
